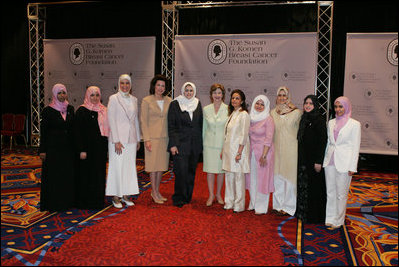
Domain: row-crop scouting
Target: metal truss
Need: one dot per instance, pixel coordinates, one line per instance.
(170, 27)
(37, 22)
(170, 14)
(324, 30)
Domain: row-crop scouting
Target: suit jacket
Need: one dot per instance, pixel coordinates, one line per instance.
(236, 134)
(184, 133)
(154, 123)
(123, 120)
(346, 148)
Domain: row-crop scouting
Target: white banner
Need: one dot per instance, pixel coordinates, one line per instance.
(371, 83)
(79, 63)
(255, 63)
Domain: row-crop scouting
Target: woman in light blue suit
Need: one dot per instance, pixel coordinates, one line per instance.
(215, 117)
(340, 161)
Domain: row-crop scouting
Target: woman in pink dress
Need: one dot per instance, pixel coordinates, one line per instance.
(260, 182)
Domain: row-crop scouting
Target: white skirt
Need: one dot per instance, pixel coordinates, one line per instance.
(122, 173)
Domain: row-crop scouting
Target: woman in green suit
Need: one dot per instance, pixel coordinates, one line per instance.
(215, 117)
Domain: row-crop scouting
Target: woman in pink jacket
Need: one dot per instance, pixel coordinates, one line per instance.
(260, 180)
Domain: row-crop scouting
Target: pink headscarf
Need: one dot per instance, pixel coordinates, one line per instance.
(341, 120)
(99, 108)
(55, 103)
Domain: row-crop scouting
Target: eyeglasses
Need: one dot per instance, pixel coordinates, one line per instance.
(95, 95)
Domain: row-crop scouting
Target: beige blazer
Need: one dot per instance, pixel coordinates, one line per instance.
(123, 120)
(346, 148)
(236, 134)
(154, 123)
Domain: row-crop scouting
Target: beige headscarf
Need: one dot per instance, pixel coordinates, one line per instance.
(286, 108)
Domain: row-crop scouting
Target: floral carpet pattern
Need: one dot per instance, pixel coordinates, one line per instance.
(30, 237)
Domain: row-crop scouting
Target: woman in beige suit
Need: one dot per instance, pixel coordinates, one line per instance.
(235, 157)
(154, 126)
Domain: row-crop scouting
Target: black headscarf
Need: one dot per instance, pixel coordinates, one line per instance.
(308, 118)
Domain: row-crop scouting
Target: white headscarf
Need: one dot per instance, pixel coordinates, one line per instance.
(124, 77)
(186, 104)
(259, 116)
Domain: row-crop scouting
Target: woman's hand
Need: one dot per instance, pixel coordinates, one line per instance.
(351, 173)
(147, 145)
(138, 146)
(174, 150)
(83, 155)
(118, 148)
(238, 157)
(263, 161)
(317, 167)
(42, 156)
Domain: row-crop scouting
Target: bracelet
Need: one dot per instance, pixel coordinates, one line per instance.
(238, 154)
(264, 157)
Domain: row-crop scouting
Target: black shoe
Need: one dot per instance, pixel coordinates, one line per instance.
(179, 204)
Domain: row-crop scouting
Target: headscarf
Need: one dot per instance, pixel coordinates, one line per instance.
(288, 106)
(186, 104)
(259, 116)
(55, 103)
(308, 117)
(124, 77)
(102, 117)
(341, 120)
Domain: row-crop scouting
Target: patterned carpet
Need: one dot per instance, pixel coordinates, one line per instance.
(31, 237)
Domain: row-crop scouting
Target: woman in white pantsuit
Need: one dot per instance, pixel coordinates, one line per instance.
(340, 161)
(235, 153)
(123, 143)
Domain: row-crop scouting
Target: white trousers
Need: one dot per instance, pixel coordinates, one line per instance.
(337, 185)
(258, 201)
(284, 196)
(122, 173)
(234, 194)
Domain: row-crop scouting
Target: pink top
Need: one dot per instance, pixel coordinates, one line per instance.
(261, 134)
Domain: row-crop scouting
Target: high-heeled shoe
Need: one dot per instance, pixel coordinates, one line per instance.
(127, 202)
(209, 201)
(163, 198)
(220, 200)
(156, 200)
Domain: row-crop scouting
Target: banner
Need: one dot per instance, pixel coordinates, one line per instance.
(371, 83)
(255, 63)
(80, 63)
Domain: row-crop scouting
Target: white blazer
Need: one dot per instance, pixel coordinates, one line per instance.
(346, 148)
(236, 134)
(123, 120)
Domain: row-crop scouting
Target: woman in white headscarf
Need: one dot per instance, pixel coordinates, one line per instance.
(123, 143)
(261, 131)
(286, 117)
(185, 141)
(56, 151)
(91, 138)
(340, 160)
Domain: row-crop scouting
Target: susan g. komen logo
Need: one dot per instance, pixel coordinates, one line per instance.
(217, 51)
(392, 52)
(76, 53)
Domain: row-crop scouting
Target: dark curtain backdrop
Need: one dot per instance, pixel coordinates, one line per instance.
(144, 18)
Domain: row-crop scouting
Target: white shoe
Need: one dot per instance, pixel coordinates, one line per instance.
(117, 205)
(127, 202)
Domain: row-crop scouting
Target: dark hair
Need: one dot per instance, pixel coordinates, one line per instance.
(243, 104)
(159, 77)
(214, 87)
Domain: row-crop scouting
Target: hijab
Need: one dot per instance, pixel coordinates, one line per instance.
(186, 104)
(124, 77)
(55, 103)
(287, 107)
(99, 108)
(308, 118)
(259, 116)
(341, 120)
